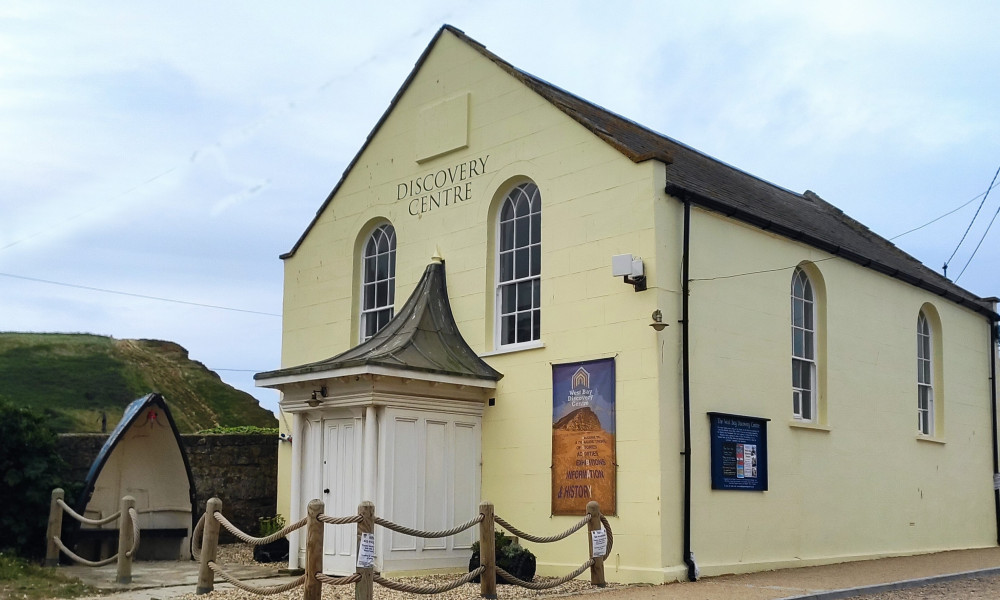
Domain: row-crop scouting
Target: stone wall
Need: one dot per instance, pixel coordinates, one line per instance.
(241, 470)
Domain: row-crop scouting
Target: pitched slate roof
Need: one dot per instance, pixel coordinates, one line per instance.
(702, 180)
(422, 336)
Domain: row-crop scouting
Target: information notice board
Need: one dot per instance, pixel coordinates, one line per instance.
(739, 452)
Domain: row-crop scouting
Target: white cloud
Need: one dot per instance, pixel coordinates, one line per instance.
(178, 148)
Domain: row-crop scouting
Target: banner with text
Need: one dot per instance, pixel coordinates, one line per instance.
(583, 436)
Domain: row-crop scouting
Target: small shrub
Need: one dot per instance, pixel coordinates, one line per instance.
(510, 556)
(241, 429)
(30, 467)
(270, 525)
(276, 551)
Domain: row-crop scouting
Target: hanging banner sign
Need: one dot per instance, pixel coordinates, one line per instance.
(739, 452)
(583, 436)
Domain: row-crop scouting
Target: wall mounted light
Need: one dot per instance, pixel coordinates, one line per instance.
(317, 397)
(658, 323)
(630, 269)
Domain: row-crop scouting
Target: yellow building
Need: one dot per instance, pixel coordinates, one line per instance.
(808, 393)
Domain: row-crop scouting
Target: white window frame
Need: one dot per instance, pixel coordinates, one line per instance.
(925, 376)
(803, 329)
(504, 317)
(383, 237)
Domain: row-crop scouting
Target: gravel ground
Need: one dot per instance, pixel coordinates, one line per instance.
(243, 554)
(980, 588)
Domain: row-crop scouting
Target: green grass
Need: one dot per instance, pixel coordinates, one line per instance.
(73, 378)
(23, 580)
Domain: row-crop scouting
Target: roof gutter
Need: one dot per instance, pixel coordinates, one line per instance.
(994, 327)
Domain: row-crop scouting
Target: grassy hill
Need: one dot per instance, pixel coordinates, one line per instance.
(74, 377)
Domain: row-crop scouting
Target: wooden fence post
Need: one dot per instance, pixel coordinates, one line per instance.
(363, 588)
(597, 569)
(125, 540)
(487, 553)
(55, 528)
(209, 543)
(313, 588)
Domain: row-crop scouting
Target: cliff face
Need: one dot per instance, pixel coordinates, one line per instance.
(581, 419)
(82, 381)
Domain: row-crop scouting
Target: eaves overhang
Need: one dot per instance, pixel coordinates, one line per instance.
(287, 377)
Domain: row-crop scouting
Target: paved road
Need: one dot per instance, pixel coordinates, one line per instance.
(979, 588)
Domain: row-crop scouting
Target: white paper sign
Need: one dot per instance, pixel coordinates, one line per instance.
(366, 551)
(599, 539)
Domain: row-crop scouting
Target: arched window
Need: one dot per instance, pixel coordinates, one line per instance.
(378, 284)
(925, 377)
(519, 267)
(803, 347)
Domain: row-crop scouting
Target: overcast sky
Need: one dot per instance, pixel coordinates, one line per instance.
(175, 149)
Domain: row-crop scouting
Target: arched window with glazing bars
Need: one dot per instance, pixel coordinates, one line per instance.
(378, 284)
(519, 267)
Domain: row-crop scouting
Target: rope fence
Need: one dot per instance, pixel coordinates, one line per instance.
(541, 540)
(207, 533)
(208, 530)
(128, 535)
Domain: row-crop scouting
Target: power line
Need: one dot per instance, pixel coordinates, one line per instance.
(985, 196)
(49, 228)
(120, 293)
(755, 272)
(952, 211)
(979, 244)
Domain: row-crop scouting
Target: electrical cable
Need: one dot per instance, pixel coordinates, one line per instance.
(936, 219)
(50, 228)
(120, 293)
(755, 272)
(987, 195)
(978, 245)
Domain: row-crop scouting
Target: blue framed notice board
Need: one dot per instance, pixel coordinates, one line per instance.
(739, 452)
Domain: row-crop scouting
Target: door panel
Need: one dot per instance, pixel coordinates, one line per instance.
(429, 476)
(341, 491)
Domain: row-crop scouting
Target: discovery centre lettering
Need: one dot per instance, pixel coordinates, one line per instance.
(441, 188)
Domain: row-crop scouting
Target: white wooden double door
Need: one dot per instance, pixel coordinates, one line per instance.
(427, 477)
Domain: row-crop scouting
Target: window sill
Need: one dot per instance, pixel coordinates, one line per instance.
(808, 425)
(515, 348)
(929, 439)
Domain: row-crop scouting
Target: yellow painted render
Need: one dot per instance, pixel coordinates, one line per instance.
(595, 204)
(863, 484)
(860, 483)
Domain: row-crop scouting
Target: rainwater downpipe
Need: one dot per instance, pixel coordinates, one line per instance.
(686, 393)
(994, 327)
